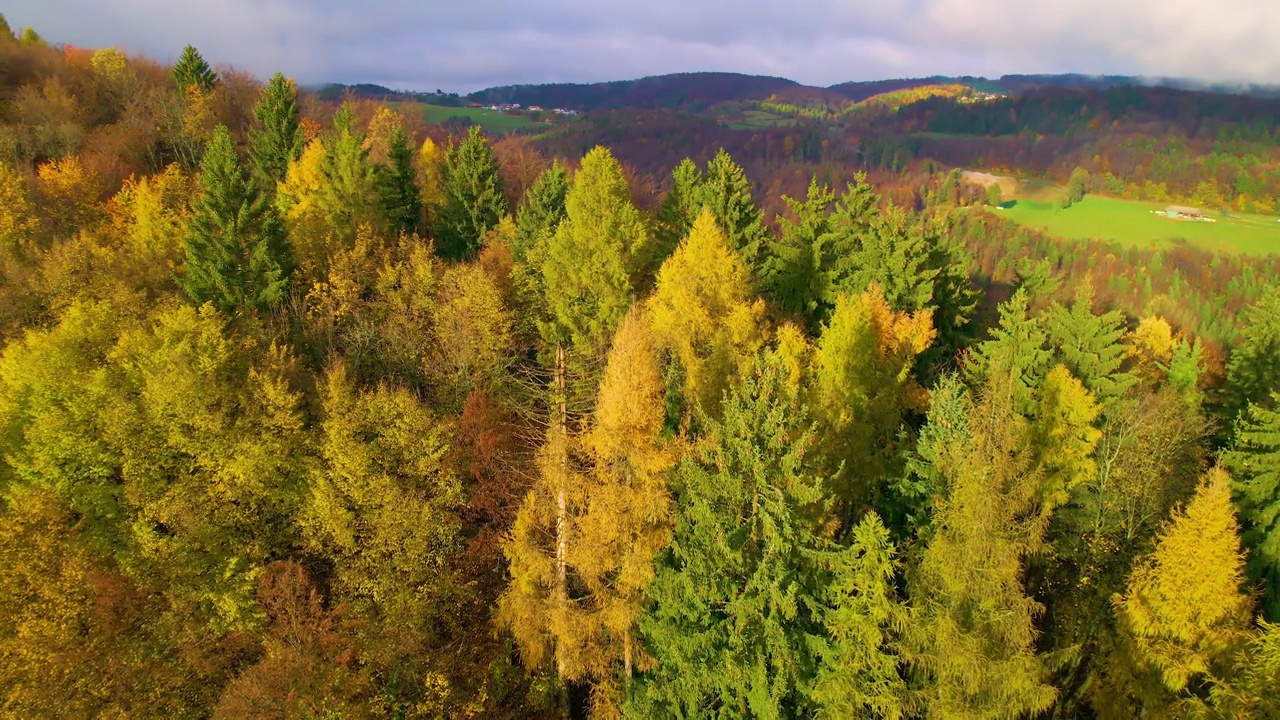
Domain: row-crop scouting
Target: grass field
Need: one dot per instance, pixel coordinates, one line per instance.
(491, 120)
(1134, 224)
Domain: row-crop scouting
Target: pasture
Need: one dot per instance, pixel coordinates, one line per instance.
(494, 121)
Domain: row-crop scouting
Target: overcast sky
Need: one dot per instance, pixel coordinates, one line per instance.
(465, 45)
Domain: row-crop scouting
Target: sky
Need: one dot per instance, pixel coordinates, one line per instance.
(467, 45)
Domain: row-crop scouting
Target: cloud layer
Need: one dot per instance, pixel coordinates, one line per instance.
(465, 45)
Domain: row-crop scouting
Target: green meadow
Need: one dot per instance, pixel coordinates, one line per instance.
(491, 120)
(1135, 224)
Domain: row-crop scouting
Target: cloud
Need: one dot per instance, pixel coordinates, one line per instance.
(464, 45)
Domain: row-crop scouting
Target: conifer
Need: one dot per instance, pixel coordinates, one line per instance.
(398, 187)
(192, 73)
(276, 138)
(474, 201)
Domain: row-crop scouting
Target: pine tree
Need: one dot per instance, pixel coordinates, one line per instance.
(474, 201)
(1089, 345)
(398, 187)
(1184, 617)
(704, 313)
(276, 139)
(974, 641)
(752, 606)
(348, 194)
(1254, 462)
(193, 73)
(235, 243)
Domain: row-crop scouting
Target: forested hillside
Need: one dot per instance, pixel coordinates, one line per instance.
(309, 409)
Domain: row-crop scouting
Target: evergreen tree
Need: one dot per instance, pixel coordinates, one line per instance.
(1016, 349)
(398, 187)
(276, 138)
(1089, 345)
(234, 242)
(746, 595)
(541, 211)
(728, 193)
(799, 269)
(1183, 618)
(193, 73)
(1254, 461)
(474, 201)
(1253, 373)
(680, 207)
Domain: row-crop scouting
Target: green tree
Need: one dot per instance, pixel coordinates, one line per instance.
(348, 190)
(235, 242)
(474, 200)
(1089, 345)
(725, 190)
(1016, 349)
(192, 72)
(276, 138)
(1254, 462)
(799, 268)
(745, 598)
(1077, 187)
(398, 187)
(1253, 373)
(541, 210)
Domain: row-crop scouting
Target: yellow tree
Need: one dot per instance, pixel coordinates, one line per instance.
(863, 386)
(431, 181)
(306, 224)
(1183, 618)
(704, 313)
(607, 517)
(1064, 436)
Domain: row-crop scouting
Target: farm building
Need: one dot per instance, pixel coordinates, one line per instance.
(1179, 212)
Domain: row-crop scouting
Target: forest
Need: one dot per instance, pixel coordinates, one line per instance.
(310, 409)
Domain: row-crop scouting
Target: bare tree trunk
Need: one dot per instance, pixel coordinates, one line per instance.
(562, 530)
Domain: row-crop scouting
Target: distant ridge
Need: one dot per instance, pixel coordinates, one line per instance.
(700, 90)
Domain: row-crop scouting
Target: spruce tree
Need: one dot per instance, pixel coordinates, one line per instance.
(753, 606)
(474, 201)
(193, 73)
(398, 187)
(728, 193)
(1089, 345)
(276, 138)
(1253, 373)
(799, 269)
(541, 211)
(1254, 461)
(1016, 349)
(235, 241)
(680, 207)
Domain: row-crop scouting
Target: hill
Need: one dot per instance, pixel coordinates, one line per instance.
(681, 90)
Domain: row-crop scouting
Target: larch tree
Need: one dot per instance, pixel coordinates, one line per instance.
(275, 140)
(1064, 436)
(1184, 616)
(192, 73)
(236, 256)
(348, 192)
(704, 313)
(862, 390)
(429, 164)
(973, 643)
(474, 201)
(306, 223)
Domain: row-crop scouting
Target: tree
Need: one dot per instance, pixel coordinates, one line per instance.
(704, 313)
(474, 201)
(234, 242)
(1253, 373)
(725, 190)
(541, 211)
(1183, 617)
(398, 187)
(751, 586)
(1254, 462)
(276, 139)
(193, 74)
(1064, 436)
(1089, 345)
(974, 642)
(1016, 349)
(862, 389)
(995, 195)
(348, 192)
(799, 269)
(1077, 187)
(591, 259)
